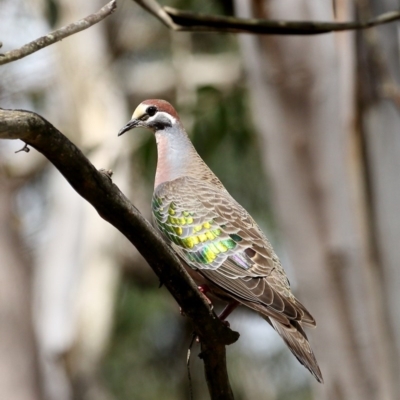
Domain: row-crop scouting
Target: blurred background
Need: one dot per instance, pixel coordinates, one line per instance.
(303, 131)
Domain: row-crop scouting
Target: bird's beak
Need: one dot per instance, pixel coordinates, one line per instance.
(138, 119)
(133, 123)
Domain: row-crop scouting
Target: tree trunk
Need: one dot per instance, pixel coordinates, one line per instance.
(379, 68)
(19, 373)
(303, 102)
(78, 268)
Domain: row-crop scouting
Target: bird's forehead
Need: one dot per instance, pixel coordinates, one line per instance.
(140, 111)
(162, 106)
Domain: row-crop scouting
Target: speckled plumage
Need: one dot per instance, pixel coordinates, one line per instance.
(216, 237)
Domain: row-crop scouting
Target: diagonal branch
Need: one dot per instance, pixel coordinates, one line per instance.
(58, 34)
(193, 22)
(159, 12)
(114, 207)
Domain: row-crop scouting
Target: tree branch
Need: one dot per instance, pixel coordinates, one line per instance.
(214, 358)
(155, 9)
(193, 22)
(114, 207)
(58, 34)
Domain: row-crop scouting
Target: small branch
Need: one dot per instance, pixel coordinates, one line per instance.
(97, 188)
(58, 34)
(155, 9)
(26, 149)
(194, 22)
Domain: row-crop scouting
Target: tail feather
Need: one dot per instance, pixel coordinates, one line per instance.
(293, 335)
(296, 339)
(307, 319)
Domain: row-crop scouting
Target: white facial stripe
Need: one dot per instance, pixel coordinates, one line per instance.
(163, 114)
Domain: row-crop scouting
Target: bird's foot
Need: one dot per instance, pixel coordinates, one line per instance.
(204, 289)
(224, 313)
(227, 310)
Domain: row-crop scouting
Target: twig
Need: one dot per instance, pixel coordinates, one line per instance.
(189, 353)
(26, 149)
(155, 9)
(188, 21)
(58, 34)
(114, 207)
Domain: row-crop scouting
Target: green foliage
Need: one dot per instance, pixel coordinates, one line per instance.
(52, 12)
(208, 43)
(224, 136)
(145, 359)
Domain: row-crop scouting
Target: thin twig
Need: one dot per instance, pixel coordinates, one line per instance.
(58, 34)
(155, 9)
(189, 353)
(26, 149)
(212, 23)
(188, 21)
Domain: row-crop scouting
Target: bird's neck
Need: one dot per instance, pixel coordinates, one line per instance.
(177, 157)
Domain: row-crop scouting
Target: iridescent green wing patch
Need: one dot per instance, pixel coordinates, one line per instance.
(202, 240)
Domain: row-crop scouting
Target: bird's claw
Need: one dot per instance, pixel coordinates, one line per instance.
(203, 289)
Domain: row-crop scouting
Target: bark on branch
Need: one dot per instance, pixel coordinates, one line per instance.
(98, 189)
(58, 34)
(178, 20)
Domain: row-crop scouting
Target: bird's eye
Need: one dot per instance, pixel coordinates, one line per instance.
(151, 110)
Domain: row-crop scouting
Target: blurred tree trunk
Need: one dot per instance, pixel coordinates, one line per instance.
(19, 372)
(378, 84)
(303, 100)
(78, 273)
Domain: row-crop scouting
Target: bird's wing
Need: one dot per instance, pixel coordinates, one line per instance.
(213, 234)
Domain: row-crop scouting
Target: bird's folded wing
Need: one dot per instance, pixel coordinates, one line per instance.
(212, 233)
(210, 226)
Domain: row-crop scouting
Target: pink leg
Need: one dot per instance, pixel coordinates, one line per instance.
(232, 305)
(202, 289)
(228, 309)
(205, 289)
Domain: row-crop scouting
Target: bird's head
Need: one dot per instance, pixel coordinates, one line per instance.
(152, 114)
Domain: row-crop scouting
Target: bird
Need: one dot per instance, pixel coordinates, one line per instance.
(218, 242)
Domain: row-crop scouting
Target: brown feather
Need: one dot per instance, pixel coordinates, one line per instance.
(296, 339)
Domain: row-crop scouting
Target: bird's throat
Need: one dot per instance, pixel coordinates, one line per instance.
(177, 157)
(174, 150)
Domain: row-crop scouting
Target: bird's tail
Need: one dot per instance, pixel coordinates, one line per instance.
(296, 339)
